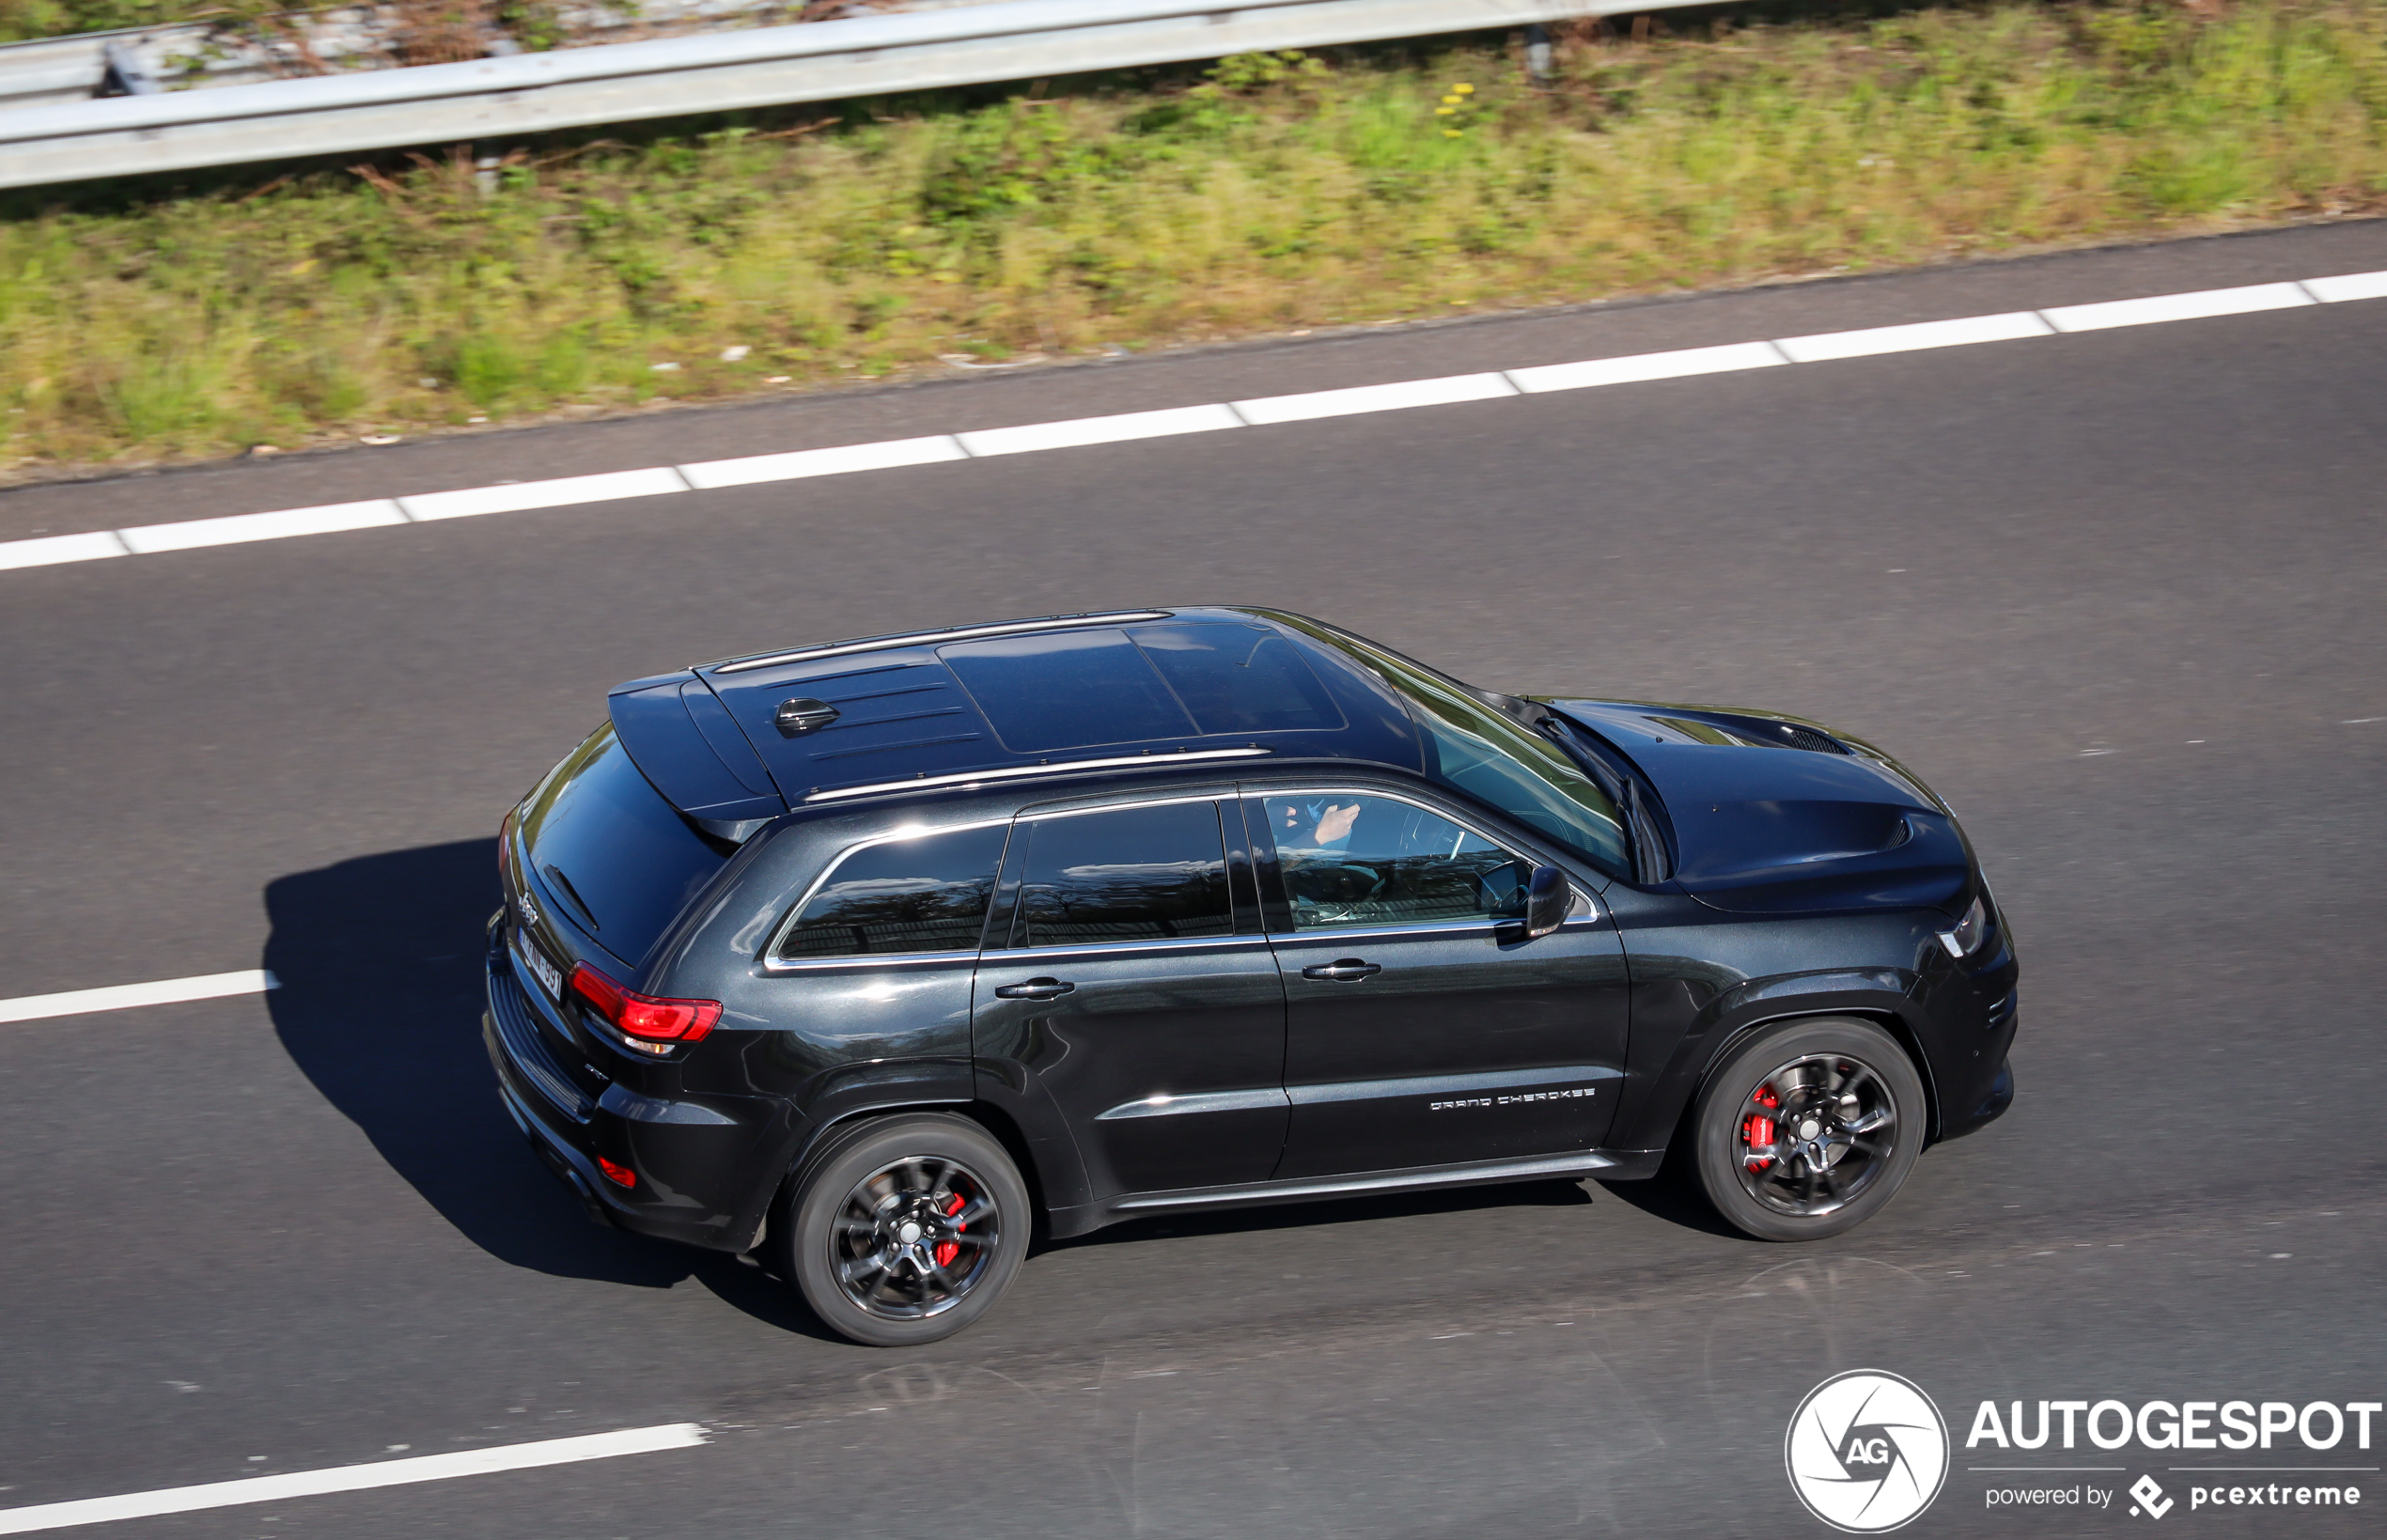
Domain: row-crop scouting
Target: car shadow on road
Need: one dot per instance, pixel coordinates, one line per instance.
(379, 1007)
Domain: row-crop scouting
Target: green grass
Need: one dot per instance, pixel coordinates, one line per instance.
(1270, 195)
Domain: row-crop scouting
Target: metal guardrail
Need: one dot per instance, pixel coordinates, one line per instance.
(497, 99)
(210, 55)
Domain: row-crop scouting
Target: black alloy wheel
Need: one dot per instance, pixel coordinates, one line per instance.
(1809, 1127)
(906, 1230)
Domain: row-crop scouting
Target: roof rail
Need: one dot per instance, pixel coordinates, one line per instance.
(1010, 772)
(951, 634)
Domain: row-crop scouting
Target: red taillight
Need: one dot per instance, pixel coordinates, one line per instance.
(623, 1174)
(644, 1016)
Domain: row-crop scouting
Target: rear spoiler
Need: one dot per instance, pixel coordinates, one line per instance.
(683, 740)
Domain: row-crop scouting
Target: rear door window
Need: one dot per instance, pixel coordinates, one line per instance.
(620, 860)
(1156, 871)
(926, 893)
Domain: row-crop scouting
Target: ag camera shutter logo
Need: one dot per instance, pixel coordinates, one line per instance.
(1866, 1450)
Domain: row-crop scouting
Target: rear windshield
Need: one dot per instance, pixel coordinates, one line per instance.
(616, 856)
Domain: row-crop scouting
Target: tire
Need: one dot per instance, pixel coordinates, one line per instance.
(1761, 1171)
(864, 1233)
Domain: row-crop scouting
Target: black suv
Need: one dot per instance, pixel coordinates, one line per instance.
(870, 955)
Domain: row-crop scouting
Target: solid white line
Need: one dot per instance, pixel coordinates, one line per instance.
(1031, 437)
(116, 997)
(2348, 286)
(842, 460)
(1906, 339)
(51, 549)
(2163, 307)
(654, 481)
(233, 528)
(1677, 364)
(1395, 396)
(351, 1478)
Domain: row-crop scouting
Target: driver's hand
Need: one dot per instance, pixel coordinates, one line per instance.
(1336, 823)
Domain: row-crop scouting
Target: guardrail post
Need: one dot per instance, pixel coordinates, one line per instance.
(122, 75)
(1537, 54)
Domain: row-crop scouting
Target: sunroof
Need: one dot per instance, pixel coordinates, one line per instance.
(1067, 690)
(1238, 679)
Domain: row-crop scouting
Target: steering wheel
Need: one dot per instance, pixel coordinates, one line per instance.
(1339, 887)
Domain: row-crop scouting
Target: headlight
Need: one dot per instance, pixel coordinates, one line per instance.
(1968, 933)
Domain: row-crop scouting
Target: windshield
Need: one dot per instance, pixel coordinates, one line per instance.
(607, 843)
(1476, 751)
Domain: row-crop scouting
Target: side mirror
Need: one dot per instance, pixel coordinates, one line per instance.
(1548, 898)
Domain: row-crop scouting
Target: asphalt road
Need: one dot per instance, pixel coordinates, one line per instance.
(2116, 595)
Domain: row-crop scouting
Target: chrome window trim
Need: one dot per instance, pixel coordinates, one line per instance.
(958, 633)
(772, 962)
(864, 961)
(1013, 772)
(1222, 795)
(1584, 906)
(1244, 940)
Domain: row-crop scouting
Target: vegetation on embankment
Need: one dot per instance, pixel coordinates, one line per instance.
(1263, 196)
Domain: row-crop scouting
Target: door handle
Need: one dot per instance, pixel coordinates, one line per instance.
(1343, 971)
(1037, 989)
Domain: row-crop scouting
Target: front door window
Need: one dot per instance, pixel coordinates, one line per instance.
(1354, 859)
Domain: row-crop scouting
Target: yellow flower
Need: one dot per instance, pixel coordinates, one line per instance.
(1442, 112)
(1450, 133)
(1463, 89)
(1452, 101)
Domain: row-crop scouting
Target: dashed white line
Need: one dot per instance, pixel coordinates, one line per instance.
(118, 997)
(1076, 433)
(328, 519)
(50, 549)
(2169, 307)
(564, 492)
(2347, 285)
(845, 460)
(1679, 364)
(1397, 397)
(351, 1478)
(1907, 339)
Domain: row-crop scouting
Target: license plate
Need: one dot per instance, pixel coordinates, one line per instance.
(551, 977)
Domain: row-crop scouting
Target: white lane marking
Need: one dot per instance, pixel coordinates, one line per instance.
(1031, 437)
(844, 460)
(116, 997)
(1906, 339)
(2348, 286)
(50, 549)
(2164, 307)
(654, 481)
(1395, 396)
(1678, 364)
(234, 528)
(351, 1478)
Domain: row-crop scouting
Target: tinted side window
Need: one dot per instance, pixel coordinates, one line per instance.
(924, 894)
(1125, 874)
(1377, 860)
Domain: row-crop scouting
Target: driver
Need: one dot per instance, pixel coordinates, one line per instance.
(1314, 826)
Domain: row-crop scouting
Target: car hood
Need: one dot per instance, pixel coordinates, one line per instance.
(1776, 815)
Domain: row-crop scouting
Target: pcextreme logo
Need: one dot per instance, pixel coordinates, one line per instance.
(1866, 1450)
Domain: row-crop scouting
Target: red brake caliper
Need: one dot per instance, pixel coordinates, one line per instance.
(946, 1251)
(1757, 1130)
